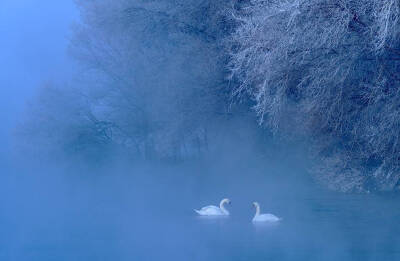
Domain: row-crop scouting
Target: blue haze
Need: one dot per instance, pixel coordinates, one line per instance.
(120, 212)
(34, 38)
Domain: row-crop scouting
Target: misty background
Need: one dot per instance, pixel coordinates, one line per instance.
(120, 117)
(33, 49)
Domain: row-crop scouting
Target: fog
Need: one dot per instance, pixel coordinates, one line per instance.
(120, 118)
(33, 49)
(146, 213)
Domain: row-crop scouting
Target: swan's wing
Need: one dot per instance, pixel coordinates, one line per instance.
(271, 217)
(267, 218)
(210, 210)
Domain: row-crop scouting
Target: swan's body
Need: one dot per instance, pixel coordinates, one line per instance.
(214, 210)
(264, 217)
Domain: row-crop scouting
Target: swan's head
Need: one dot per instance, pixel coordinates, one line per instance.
(255, 204)
(226, 200)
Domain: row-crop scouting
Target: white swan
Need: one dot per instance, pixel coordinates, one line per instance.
(214, 210)
(263, 217)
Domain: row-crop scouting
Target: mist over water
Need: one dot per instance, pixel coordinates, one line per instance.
(125, 212)
(115, 166)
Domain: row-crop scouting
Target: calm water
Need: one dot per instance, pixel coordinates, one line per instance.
(148, 214)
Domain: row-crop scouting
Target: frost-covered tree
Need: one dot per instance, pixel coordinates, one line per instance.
(153, 80)
(60, 122)
(159, 61)
(152, 70)
(327, 69)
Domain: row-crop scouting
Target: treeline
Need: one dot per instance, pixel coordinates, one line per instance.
(151, 81)
(158, 77)
(327, 70)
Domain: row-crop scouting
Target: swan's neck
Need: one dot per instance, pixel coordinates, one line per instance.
(222, 207)
(257, 211)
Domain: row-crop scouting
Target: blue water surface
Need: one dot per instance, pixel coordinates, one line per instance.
(147, 214)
